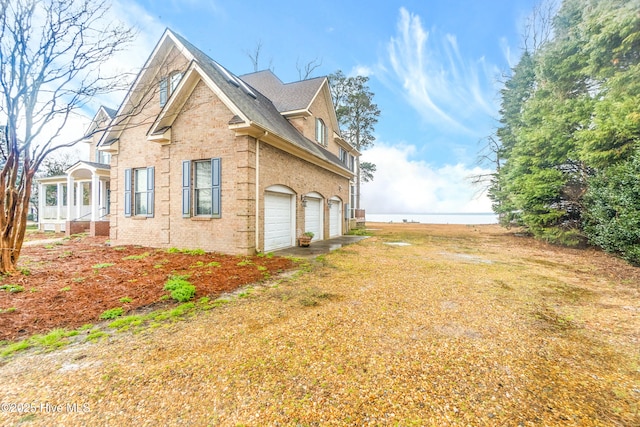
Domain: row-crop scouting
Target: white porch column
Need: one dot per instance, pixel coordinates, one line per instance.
(59, 194)
(41, 202)
(95, 191)
(70, 185)
(79, 196)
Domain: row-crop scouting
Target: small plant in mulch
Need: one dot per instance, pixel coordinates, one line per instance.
(102, 265)
(12, 289)
(112, 313)
(126, 300)
(180, 288)
(136, 257)
(186, 251)
(244, 263)
(268, 255)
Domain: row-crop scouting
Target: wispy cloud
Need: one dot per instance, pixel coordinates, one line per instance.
(446, 88)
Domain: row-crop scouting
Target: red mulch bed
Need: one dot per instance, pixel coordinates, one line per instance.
(65, 290)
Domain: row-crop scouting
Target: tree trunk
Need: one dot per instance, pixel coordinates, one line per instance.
(358, 183)
(13, 222)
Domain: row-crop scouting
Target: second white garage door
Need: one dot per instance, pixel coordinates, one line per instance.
(278, 221)
(313, 217)
(335, 218)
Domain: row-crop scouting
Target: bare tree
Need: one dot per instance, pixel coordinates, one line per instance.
(489, 155)
(538, 28)
(51, 52)
(254, 57)
(309, 68)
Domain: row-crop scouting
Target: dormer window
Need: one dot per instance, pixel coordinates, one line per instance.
(168, 86)
(321, 132)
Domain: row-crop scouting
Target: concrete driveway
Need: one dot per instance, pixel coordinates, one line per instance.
(319, 247)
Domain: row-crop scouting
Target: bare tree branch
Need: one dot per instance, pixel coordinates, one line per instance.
(309, 68)
(51, 52)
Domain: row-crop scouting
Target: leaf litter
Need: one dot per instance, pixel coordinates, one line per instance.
(395, 336)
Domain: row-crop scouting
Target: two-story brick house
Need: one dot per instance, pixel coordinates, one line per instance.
(224, 163)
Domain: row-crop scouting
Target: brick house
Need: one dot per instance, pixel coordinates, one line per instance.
(224, 163)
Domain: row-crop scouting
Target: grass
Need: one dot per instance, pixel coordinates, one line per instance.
(381, 335)
(112, 313)
(137, 322)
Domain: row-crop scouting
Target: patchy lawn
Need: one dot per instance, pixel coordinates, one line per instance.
(418, 325)
(71, 282)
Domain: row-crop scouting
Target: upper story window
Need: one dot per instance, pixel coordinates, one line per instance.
(102, 157)
(321, 132)
(168, 85)
(344, 156)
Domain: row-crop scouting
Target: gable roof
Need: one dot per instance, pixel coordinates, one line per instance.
(249, 104)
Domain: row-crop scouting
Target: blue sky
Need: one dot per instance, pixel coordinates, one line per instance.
(434, 66)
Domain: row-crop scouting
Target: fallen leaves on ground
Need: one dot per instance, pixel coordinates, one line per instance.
(464, 326)
(71, 282)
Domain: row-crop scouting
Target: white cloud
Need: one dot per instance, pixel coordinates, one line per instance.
(448, 91)
(405, 185)
(361, 70)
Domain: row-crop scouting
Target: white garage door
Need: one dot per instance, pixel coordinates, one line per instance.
(335, 218)
(278, 221)
(313, 217)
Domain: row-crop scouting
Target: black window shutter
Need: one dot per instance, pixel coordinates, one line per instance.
(150, 191)
(127, 192)
(186, 188)
(215, 187)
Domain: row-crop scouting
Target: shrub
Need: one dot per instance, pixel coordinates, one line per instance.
(180, 288)
(612, 214)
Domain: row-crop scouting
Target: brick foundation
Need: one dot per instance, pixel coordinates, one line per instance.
(75, 227)
(99, 228)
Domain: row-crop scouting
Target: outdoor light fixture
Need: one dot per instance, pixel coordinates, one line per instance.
(330, 203)
(304, 201)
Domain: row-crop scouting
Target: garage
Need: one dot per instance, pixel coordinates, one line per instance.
(313, 218)
(335, 217)
(279, 224)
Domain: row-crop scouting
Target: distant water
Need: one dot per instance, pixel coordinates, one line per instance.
(436, 218)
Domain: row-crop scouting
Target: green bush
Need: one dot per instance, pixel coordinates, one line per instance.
(180, 288)
(612, 214)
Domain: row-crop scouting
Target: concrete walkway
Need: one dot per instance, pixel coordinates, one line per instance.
(319, 247)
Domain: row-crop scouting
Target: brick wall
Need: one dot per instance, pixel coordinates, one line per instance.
(280, 168)
(201, 131)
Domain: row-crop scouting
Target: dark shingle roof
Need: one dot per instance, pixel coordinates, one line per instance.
(256, 106)
(286, 97)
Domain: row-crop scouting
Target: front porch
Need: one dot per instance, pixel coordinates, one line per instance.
(85, 209)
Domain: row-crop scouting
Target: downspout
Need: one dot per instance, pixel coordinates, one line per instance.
(257, 233)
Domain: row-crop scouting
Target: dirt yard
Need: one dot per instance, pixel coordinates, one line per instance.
(417, 325)
(71, 282)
